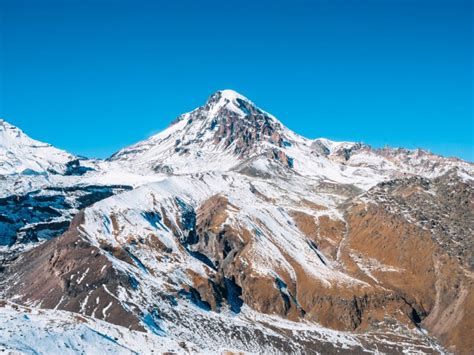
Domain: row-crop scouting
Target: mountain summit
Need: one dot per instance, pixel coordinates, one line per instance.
(223, 132)
(230, 100)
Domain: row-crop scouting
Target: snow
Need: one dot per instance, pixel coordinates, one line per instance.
(81, 278)
(228, 99)
(32, 331)
(21, 154)
(104, 311)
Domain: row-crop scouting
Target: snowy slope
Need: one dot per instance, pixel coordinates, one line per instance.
(27, 330)
(21, 154)
(280, 243)
(169, 271)
(32, 331)
(42, 188)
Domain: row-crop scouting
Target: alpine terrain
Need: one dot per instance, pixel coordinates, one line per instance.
(227, 232)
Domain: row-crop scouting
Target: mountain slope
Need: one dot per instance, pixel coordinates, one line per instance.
(42, 188)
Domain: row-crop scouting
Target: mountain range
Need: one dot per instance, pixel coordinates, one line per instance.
(228, 232)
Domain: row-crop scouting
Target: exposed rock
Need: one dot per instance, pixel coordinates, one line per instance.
(44, 214)
(68, 273)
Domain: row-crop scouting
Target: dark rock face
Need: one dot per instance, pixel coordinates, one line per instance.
(346, 153)
(239, 131)
(24, 218)
(74, 167)
(163, 169)
(45, 214)
(207, 293)
(319, 148)
(244, 132)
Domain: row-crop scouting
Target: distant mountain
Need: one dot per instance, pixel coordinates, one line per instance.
(21, 154)
(229, 232)
(41, 189)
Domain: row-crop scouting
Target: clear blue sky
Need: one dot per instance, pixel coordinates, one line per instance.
(94, 76)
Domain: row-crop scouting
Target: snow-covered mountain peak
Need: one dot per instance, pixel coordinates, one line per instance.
(21, 154)
(225, 102)
(229, 99)
(227, 95)
(7, 128)
(218, 135)
(227, 226)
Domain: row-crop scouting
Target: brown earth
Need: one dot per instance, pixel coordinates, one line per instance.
(340, 306)
(416, 268)
(68, 273)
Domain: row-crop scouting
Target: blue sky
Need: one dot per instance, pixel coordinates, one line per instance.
(94, 76)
